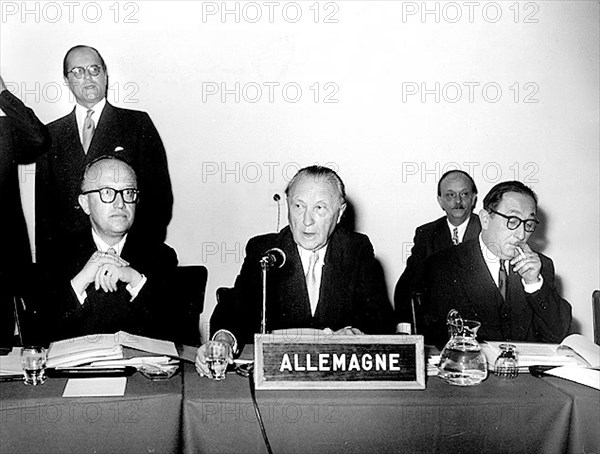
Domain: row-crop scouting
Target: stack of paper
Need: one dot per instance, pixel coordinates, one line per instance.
(530, 354)
(106, 350)
(11, 364)
(576, 358)
(83, 350)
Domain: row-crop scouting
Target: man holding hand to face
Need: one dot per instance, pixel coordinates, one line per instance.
(498, 279)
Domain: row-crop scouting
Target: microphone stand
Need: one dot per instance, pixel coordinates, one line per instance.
(263, 319)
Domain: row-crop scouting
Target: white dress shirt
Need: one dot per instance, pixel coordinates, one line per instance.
(81, 113)
(305, 258)
(102, 246)
(462, 228)
(493, 263)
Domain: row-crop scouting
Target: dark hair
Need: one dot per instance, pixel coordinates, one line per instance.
(320, 172)
(74, 48)
(494, 197)
(105, 157)
(473, 187)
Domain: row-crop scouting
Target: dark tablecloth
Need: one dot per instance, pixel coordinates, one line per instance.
(523, 415)
(38, 419)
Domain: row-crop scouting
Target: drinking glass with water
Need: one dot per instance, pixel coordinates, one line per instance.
(33, 361)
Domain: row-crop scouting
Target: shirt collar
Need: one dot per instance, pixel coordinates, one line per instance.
(81, 112)
(104, 247)
(305, 255)
(462, 228)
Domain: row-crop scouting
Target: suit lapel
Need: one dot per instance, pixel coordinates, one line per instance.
(473, 228)
(104, 129)
(293, 294)
(332, 280)
(441, 238)
(71, 136)
(479, 284)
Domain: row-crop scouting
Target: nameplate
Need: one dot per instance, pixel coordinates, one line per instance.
(329, 361)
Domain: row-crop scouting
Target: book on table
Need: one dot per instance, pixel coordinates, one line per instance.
(109, 350)
(576, 358)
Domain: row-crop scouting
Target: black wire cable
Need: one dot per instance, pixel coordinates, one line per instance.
(257, 411)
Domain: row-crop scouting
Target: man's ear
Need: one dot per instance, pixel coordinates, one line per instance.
(342, 209)
(439, 199)
(84, 203)
(484, 218)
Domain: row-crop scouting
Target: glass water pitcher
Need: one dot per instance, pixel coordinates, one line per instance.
(462, 362)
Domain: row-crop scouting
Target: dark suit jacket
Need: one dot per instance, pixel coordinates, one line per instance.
(352, 293)
(429, 239)
(458, 278)
(104, 312)
(59, 173)
(22, 138)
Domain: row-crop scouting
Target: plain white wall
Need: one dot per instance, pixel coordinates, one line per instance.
(390, 144)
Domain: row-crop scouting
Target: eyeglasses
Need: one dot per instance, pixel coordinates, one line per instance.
(79, 71)
(454, 195)
(513, 222)
(108, 195)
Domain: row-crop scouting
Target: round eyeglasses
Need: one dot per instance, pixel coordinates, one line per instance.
(108, 195)
(79, 71)
(513, 222)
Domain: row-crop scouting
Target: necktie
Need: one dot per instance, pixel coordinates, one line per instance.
(112, 251)
(502, 279)
(311, 282)
(88, 131)
(455, 236)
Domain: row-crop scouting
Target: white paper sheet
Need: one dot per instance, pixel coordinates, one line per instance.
(585, 376)
(95, 387)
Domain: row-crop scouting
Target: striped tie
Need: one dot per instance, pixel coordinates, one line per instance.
(88, 131)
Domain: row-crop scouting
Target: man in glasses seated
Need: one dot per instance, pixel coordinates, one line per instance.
(106, 278)
(92, 129)
(498, 279)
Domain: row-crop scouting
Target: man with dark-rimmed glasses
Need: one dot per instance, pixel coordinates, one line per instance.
(94, 128)
(111, 278)
(498, 279)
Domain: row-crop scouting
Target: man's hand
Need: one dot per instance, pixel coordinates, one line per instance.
(201, 355)
(109, 274)
(88, 273)
(527, 263)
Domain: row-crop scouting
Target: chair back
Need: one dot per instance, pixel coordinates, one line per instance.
(189, 287)
(225, 309)
(596, 315)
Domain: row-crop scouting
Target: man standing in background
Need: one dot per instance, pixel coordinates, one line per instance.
(22, 138)
(95, 128)
(457, 196)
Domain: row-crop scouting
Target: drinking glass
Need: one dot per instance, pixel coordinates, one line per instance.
(217, 359)
(33, 361)
(506, 365)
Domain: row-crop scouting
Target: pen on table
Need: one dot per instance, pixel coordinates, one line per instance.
(7, 378)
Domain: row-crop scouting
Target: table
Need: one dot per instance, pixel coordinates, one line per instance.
(37, 419)
(523, 415)
(193, 414)
(584, 434)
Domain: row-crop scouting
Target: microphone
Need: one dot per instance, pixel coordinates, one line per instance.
(274, 257)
